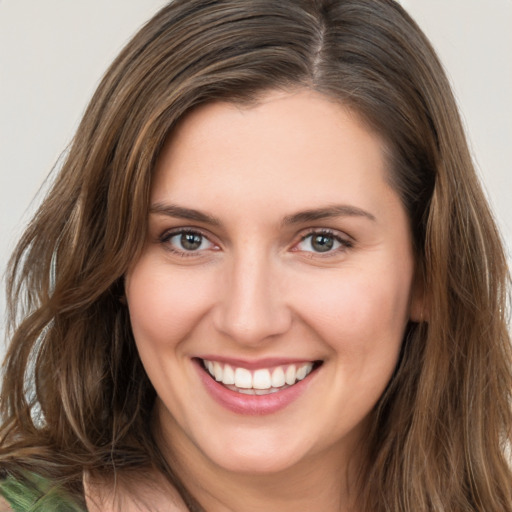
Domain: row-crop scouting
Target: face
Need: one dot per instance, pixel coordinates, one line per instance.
(270, 301)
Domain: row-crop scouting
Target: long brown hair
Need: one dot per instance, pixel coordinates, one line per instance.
(75, 396)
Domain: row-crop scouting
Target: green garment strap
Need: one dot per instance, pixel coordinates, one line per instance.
(35, 495)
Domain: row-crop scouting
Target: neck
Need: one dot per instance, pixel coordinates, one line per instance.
(298, 488)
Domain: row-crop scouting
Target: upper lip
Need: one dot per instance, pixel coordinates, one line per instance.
(255, 364)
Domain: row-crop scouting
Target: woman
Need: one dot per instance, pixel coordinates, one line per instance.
(265, 278)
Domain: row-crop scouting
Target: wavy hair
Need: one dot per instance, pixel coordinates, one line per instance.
(75, 396)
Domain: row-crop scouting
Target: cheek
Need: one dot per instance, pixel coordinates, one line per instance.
(361, 319)
(164, 306)
(360, 314)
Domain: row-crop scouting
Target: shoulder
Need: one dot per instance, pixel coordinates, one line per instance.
(33, 493)
(127, 494)
(4, 506)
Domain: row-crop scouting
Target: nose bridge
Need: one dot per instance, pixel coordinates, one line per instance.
(251, 307)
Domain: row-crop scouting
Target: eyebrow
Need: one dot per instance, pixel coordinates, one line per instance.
(326, 213)
(180, 212)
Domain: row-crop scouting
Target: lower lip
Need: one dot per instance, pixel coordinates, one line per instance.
(252, 405)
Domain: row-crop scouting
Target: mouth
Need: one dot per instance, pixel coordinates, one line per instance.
(260, 381)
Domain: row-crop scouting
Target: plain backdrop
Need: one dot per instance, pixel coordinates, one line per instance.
(53, 53)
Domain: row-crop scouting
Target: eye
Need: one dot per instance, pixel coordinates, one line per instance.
(186, 241)
(322, 242)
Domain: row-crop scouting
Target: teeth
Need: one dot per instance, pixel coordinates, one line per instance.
(217, 371)
(246, 391)
(304, 370)
(259, 382)
(278, 378)
(229, 375)
(243, 378)
(261, 379)
(290, 375)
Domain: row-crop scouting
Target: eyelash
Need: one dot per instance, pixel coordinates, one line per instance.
(345, 244)
(166, 237)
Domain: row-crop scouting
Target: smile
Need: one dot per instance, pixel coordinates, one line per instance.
(262, 381)
(259, 387)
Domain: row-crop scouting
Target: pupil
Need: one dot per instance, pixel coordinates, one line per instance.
(322, 243)
(191, 241)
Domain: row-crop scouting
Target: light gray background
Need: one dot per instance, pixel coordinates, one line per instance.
(53, 53)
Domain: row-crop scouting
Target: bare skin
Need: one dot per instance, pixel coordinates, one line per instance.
(300, 249)
(4, 506)
(148, 493)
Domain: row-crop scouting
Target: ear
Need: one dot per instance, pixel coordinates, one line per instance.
(418, 308)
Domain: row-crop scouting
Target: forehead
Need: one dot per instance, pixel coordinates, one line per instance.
(301, 139)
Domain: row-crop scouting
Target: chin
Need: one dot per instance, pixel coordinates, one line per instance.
(249, 463)
(263, 453)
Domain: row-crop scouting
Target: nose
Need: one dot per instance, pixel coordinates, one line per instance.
(251, 307)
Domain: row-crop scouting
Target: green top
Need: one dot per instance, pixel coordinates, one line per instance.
(35, 494)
